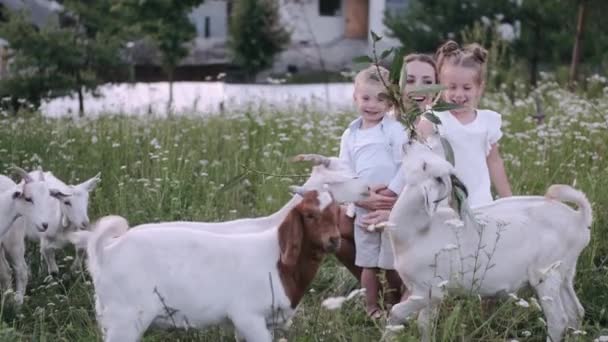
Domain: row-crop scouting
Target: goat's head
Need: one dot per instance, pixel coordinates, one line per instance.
(34, 200)
(74, 204)
(428, 170)
(312, 223)
(333, 175)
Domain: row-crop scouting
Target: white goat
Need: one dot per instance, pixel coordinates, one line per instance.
(517, 241)
(328, 173)
(179, 277)
(69, 213)
(32, 200)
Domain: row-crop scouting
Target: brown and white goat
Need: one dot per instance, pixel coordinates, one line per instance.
(178, 277)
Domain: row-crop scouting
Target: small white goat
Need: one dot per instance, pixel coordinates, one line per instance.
(518, 241)
(176, 277)
(32, 200)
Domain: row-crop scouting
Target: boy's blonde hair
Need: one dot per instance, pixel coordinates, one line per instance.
(372, 76)
(471, 56)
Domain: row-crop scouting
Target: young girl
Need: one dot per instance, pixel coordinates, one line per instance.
(473, 133)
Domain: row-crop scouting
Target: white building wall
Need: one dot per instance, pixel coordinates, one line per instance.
(376, 24)
(304, 20)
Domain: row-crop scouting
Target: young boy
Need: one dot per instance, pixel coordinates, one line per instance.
(372, 145)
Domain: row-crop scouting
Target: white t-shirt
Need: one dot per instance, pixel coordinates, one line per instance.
(471, 144)
(375, 153)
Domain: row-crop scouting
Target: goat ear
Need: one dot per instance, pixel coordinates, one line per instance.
(90, 184)
(290, 238)
(57, 194)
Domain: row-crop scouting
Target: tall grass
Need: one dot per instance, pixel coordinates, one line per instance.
(237, 165)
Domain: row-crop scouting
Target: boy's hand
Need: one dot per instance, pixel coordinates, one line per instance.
(374, 219)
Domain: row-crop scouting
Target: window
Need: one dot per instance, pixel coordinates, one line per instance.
(330, 8)
(207, 27)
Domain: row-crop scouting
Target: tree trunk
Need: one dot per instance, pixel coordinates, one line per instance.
(578, 40)
(170, 102)
(80, 97)
(80, 103)
(535, 57)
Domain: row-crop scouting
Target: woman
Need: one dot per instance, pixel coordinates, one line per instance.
(420, 71)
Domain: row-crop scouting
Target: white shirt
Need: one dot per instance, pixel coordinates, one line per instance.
(375, 153)
(471, 143)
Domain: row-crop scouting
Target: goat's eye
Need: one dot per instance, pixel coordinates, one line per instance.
(28, 199)
(439, 180)
(68, 203)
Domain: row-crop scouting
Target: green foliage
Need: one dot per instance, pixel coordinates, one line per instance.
(164, 22)
(57, 60)
(546, 28)
(256, 35)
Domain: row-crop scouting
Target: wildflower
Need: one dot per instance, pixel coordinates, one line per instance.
(522, 302)
(456, 223)
(355, 293)
(333, 303)
(526, 333)
(395, 328)
(535, 304)
(449, 247)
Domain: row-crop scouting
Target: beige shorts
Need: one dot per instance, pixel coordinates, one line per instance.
(372, 249)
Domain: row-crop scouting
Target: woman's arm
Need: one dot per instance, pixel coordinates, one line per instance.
(379, 198)
(498, 174)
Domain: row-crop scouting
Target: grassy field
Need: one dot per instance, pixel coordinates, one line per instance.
(237, 165)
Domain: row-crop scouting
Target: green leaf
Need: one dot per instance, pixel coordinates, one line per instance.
(362, 59)
(447, 149)
(443, 106)
(427, 89)
(432, 117)
(396, 65)
(375, 37)
(386, 53)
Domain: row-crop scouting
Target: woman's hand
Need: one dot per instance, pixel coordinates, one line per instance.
(375, 217)
(380, 198)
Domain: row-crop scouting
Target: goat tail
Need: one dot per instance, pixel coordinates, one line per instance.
(107, 227)
(80, 239)
(566, 193)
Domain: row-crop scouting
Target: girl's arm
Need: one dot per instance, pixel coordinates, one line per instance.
(497, 172)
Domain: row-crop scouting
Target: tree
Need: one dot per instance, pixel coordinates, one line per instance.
(544, 36)
(165, 23)
(576, 49)
(77, 55)
(257, 35)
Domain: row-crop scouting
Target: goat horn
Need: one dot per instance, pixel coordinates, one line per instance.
(22, 173)
(316, 159)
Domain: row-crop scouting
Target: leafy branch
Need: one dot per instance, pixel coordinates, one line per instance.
(406, 109)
